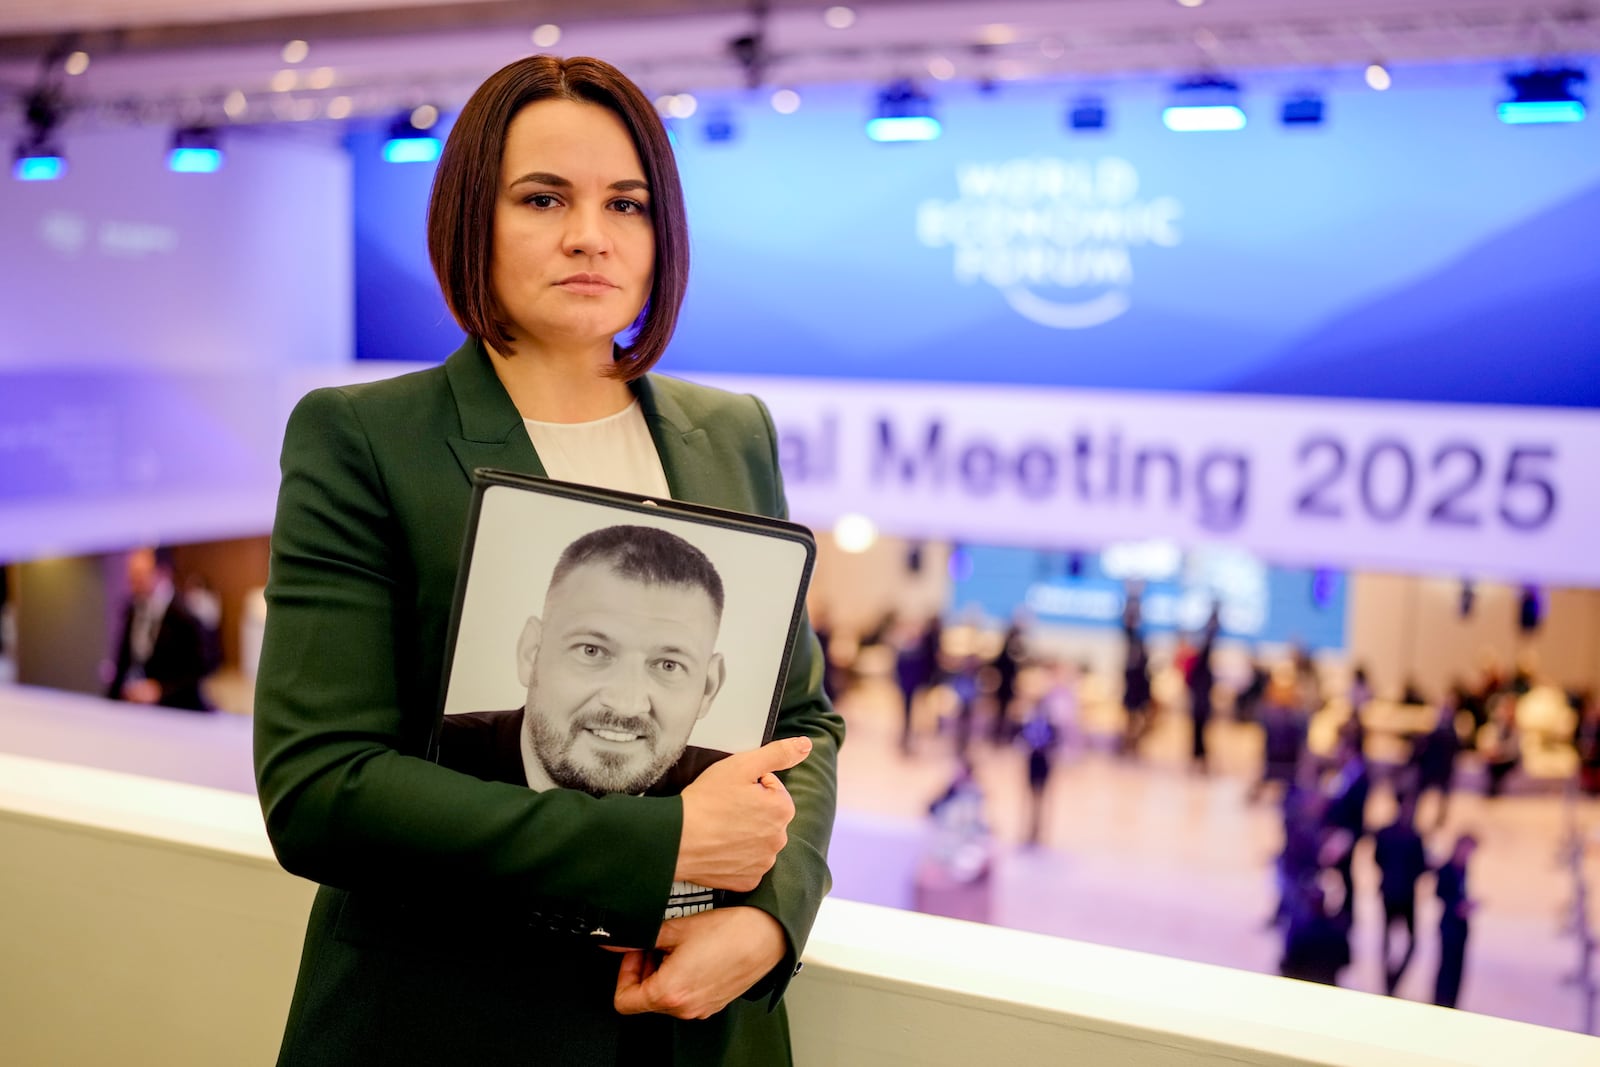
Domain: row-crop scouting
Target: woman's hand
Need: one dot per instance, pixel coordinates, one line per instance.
(700, 963)
(736, 817)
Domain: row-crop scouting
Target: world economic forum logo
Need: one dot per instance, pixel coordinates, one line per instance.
(1055, 236)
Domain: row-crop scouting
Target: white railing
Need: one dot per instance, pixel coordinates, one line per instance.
(145, 922)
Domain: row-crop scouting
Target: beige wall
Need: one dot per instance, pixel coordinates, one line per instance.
(1402, 627)
(63, 622)
(854, 591)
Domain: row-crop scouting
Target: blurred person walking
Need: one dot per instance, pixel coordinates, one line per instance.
(1458, 906)
(1586, 739)
(1434, 757)
(1284, 727)
(1200, 678)
(1499, 743)
(1401, 860)
(916, 668)
(1347, 807)
(1316, 946)
(1136, 696)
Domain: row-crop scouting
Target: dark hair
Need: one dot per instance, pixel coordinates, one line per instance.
(466, 187)
(645, 554)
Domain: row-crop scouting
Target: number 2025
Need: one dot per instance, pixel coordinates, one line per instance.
(1384, 481)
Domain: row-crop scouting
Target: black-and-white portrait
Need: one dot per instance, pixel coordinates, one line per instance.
(614, 651)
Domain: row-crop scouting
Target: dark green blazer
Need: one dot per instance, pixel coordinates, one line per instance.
(458, 920)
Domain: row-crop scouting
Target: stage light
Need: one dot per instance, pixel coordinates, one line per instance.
(409, 141)
(1540, 96)
(76, 63)
(195, 150)
(38, 158)
(719, 127)
(786, 101)
(38, 164)
(1087, 113)
(839, 17)
(904, 114)
(547, 35)
(1302, 109)
(295, 52)
(1377, 76)
(1204, 104)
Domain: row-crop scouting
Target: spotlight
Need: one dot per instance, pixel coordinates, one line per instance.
(719, 128)
(195, 150)
(1087, 113)
(1543, 96)
(1204, 104)
(904, 114)
(38, 159)
(1302, 109)
(409, 141)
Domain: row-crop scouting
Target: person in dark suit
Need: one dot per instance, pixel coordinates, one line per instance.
(163, 652)
(466, 921)
(1401, 860)
(1434, 754)
(1200, 679)
(1346, 810)
(619, 666)
(1456, 911)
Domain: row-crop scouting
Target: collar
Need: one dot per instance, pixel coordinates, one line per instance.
(493, 434)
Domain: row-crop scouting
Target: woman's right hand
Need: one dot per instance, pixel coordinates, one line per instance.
(736, 817)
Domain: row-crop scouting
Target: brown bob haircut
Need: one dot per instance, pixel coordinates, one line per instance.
(466, 188)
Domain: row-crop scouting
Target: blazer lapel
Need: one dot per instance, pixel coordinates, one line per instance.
(492, 433)
(693, 471)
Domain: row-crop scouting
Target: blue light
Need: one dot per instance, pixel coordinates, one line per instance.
(38, 168)
(1203, 119)
(1527, 112)
(904, 128)
(411, 149)
(194, 160)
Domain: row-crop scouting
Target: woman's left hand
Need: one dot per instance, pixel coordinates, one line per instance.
(701, 962)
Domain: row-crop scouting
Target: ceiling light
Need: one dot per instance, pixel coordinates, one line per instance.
(904, 113)
(1378, 77)
(339, 107)
(410, 143)
(786, 101)
(719, 127)
(996, 33)
(941, 68)
(321, 78)
(1302, 109)
(1087, 113)
(296, 52)
(195, 150)
(38, 158)
(547, 36)
(839, 17)
(235, 104)
(1539, 96)
(284, 80)
(76, 63)
(855, 533)
(1204, 104)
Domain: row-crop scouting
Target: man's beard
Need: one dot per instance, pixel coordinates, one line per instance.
(607, 772)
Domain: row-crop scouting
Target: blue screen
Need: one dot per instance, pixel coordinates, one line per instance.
(1410, 247)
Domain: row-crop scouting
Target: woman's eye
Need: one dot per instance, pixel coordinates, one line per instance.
(542, 200)
(628, 207)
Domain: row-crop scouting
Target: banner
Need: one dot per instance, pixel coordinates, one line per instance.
(1459, 490)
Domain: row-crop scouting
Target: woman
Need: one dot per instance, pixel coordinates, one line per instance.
(462, 921)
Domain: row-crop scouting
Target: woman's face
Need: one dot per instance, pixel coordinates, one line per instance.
(574, 252)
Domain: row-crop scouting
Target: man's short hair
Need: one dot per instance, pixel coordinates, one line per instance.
(645, 554)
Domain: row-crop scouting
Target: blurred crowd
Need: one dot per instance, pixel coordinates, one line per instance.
(1327, 743)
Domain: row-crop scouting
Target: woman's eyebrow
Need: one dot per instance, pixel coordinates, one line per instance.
(540, 177)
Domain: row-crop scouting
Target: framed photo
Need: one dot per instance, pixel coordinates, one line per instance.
(612, 643)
